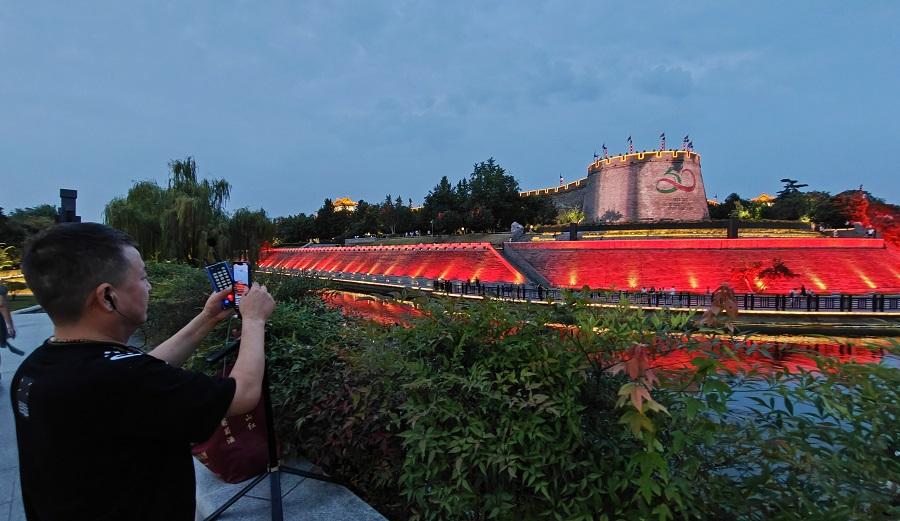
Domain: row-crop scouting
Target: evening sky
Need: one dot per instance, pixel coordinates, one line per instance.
(296, 101)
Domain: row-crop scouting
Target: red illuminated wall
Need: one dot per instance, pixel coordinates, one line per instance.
(462, 261)
(823, 265)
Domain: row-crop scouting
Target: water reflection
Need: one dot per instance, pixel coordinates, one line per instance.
(369, 307)
(763, 354)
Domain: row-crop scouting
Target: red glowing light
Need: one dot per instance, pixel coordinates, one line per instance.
(447, 261)
(839, 265)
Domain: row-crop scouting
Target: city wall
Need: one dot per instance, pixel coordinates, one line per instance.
(659, 185)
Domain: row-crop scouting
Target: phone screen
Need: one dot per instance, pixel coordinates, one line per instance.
(241, 281)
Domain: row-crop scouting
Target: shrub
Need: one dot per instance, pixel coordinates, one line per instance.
(487, 410)
(178, 293)
(492, 420)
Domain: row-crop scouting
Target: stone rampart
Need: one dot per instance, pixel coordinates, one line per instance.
(660, 185)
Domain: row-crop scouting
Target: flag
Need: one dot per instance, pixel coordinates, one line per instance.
(691, 145)
(560, 180)
(605, 152)
(662, 141)
(596, 156)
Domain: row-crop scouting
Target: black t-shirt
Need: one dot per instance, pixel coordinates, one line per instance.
(104, 432)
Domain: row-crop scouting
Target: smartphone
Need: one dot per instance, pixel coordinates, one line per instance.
(241, 272)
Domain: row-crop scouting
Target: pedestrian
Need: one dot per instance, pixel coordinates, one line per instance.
(7, 328)
(104, 429)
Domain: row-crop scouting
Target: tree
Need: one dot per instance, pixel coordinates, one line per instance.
(443, 205)
(247, 230)
(365, 220)
(8, 257)
(29, 221)
(496, 196)
(389, 215)
(138, 214)
(538, 209)
(790, 188)
(197, 211)
(174, 222)
(824, 210)
(331, 225)
(300, 228)
(727, 208)
(441, 198)
(9, 232)
(405, 217)
(570, 216)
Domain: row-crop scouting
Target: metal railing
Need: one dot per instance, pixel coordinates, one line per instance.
(871, 303)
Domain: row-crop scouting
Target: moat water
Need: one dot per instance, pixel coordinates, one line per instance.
(767, 353)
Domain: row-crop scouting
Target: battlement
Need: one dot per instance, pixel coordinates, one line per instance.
(556, 189)
(647, 155)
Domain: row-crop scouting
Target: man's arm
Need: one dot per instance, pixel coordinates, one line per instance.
(179, 347)
(256, 307)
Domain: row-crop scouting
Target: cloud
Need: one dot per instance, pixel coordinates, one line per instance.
(672, 82)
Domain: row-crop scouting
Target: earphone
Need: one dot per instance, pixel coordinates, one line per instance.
(112, 304)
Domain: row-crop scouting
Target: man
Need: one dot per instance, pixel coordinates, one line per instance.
(104, 430)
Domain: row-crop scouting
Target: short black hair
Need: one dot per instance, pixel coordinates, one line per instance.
(65, 263)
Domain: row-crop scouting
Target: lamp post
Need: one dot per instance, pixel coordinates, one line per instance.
(432, 227)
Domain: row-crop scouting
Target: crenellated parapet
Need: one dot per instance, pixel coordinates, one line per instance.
(574, 185)
(652, 155)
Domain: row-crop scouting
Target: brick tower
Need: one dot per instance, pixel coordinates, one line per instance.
(645, 187)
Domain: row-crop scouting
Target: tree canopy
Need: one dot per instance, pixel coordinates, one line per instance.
(187, 219)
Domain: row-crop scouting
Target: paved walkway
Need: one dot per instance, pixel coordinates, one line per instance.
(303, 498)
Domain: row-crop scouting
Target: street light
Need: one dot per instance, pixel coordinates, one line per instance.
(432, 227)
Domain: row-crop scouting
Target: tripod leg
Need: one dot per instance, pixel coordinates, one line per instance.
(312, 475)
(237, 496)
(275, 496)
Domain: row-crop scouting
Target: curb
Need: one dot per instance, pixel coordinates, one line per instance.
(32, 309)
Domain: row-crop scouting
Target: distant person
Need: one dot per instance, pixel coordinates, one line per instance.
(104, 429)
(7, 328)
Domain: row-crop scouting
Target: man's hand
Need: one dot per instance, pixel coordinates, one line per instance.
(257, 303)
(213, 307)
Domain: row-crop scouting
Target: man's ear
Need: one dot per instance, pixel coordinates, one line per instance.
(103, 295)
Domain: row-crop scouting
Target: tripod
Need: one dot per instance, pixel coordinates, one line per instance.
(274, 469)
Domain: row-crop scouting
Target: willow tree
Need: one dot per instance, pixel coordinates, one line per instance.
(174, 222)
(138, 214)
(247, 230)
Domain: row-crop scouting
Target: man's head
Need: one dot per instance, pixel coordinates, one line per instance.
(76, 266)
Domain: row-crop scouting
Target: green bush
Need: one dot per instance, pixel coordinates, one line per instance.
(486, 410)
(823, 444)
(178, 293)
